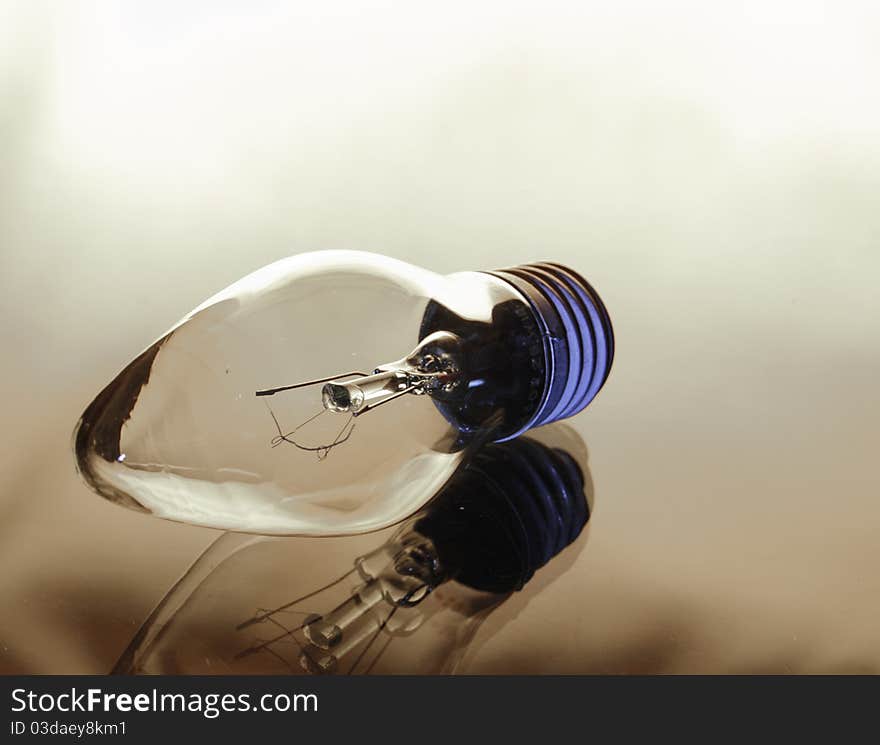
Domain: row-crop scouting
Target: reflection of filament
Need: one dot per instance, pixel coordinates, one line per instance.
(322, 450)
(289, 634)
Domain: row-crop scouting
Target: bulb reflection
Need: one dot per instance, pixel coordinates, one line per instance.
(411, 605)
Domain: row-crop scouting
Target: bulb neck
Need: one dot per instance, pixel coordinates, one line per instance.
(576, 338)
(543, 356)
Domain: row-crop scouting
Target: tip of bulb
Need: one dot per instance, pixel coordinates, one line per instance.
(577, 336)
(98, 433)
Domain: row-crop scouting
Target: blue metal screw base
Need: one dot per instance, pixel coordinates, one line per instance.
(577, 337)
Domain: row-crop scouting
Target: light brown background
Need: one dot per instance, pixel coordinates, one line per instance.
(713, 168)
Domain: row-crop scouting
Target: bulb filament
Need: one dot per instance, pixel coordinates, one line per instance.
(431, 367)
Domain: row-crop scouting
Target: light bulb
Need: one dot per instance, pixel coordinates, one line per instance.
(335, 392)
(411, 605)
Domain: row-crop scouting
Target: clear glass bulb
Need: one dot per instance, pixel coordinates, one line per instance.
(411, 605)
(335, 392)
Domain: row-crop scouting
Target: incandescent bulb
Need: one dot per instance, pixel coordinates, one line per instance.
(412, 605)
(335, 392)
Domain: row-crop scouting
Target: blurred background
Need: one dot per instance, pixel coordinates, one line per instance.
(713, 169)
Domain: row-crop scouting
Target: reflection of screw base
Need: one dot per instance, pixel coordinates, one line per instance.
(577, 337)
(507, 514)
